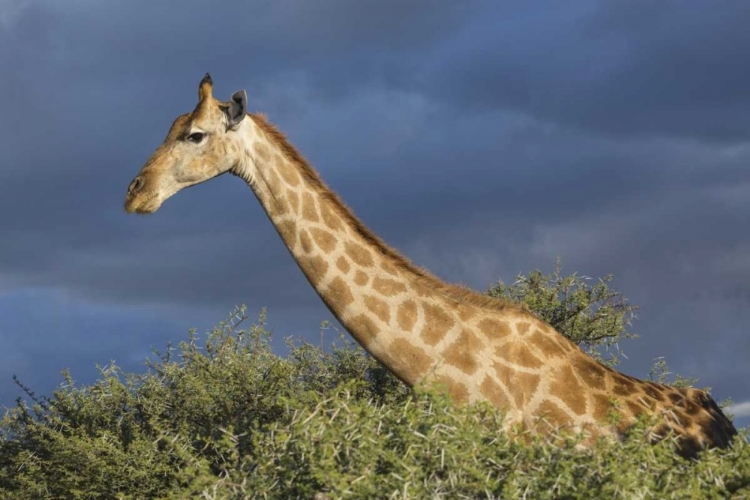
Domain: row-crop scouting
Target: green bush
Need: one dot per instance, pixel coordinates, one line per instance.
(227, 418)
(594, 317)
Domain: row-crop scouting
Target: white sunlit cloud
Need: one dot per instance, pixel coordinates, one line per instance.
(740, 409)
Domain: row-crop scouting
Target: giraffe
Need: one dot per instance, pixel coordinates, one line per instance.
(425, 331)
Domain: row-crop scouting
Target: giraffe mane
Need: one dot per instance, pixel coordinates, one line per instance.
(459, 293)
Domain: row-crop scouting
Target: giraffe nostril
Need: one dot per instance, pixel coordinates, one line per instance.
(136, 185)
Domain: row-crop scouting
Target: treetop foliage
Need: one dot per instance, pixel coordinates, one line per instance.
(593, 316)
(224, 417)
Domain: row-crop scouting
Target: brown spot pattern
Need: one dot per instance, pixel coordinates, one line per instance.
(625, 423)
(281, 209)
(518, 353)
(436, 324)
(309, 211)
(387, 287)
(407, 315)
(646, 389)
(465, 313)
(364, 329)
(287, 172)
(389, 268)
(544, 343)
(676, 398)
(654, 390)
(343, 265)
(566, 345)
(635, 407)
(521, 385)
(553, 415)
(262, 151)
(522, 327)
(288, 231)
(339, 293)
(565, 386)
(462, 352)
(305, 241)
(330, 219)
(692, 408)
(293, 200)
(621, 385)
(590, 371)
(378, 307)
(457, 391)
(273, 181)
(315, 268)
(361, 278)
(325, 240)
(494, 393)
(602, 407)
(494, 329)
(408, 358)
(549, 329)
(359, 254)
(563, 344)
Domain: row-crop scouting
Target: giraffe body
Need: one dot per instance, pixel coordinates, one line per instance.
(423, 330)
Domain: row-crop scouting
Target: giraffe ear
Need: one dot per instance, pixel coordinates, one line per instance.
(237, 108)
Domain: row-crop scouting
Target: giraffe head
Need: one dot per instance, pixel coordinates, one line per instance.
(200, 145)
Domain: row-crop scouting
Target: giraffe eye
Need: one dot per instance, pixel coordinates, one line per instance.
(195, 137)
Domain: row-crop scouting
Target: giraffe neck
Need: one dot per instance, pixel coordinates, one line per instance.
(393, 309)
(419, 327)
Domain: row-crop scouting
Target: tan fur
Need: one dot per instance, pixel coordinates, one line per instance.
(425, 331)
(456, 292)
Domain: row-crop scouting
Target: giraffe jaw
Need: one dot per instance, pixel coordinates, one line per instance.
(142, 206)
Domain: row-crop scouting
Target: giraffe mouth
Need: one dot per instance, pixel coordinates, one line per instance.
(141, 205)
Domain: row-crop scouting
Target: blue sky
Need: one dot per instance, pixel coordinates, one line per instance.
(481, 139)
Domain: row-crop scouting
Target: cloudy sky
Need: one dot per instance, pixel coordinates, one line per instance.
(481, 139)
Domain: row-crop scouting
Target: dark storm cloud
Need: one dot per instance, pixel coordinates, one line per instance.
(75, 135)
(140, 39)
(634, 68)
(481, 139)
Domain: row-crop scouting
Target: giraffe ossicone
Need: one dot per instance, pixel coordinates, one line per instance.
(422, 329)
